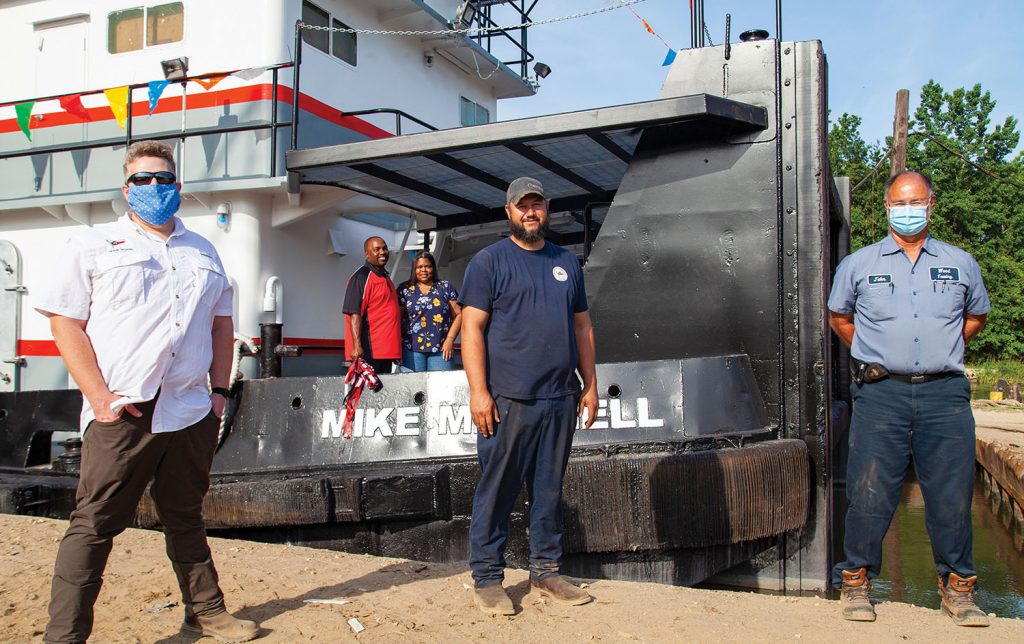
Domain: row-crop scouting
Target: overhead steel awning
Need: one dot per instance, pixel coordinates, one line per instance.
(460, 175)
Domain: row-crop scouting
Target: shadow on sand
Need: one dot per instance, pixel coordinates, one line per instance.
(389, 576)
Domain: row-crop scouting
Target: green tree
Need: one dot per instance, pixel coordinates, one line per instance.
(978, 187)
(850, 156)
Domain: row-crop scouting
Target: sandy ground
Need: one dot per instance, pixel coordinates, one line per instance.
(396, 600)
(1001, 421)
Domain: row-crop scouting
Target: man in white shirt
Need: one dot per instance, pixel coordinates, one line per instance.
(141, 312)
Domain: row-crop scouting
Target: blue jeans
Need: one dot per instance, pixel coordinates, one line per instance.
(531, 444)
(415, 361)
(893, 421)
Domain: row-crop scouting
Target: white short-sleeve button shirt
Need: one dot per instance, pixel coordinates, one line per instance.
(149, 305)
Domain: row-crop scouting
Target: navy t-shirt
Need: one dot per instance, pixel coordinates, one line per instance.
(532, 297)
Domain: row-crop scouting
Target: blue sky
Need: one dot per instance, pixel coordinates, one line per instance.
(874, 47)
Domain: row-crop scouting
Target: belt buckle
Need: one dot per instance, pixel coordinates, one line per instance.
(916, 380)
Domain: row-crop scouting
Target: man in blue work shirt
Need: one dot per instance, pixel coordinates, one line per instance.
(526, 330)
(918, 302)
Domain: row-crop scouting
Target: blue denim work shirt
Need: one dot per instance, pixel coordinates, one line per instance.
(909, 318)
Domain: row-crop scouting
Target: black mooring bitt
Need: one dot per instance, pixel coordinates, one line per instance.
(270, 338)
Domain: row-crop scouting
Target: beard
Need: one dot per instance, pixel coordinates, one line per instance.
(519, 232)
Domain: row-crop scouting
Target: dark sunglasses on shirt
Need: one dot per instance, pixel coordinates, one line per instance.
(145, 178)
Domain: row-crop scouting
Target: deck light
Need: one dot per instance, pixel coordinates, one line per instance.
(541, 70)
(175, 69)
(465, 14)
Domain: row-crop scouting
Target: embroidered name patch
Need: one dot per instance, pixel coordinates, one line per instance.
(945, 274)
(880, 279)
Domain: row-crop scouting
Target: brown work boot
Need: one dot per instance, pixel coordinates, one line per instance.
(222, 626)
(558, 589)
(854, 604)
(493, 600)
(958, 600)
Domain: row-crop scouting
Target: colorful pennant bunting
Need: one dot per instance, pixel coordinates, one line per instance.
(671, 56)
(118, 99)
(72, 104)
(23, 111)
(208, 83)
(156, 88)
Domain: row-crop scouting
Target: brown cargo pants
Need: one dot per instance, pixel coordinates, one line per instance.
(118, 461)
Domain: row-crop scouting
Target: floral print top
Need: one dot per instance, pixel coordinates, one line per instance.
(426, 317)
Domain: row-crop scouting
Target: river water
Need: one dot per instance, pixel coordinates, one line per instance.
(908, 569)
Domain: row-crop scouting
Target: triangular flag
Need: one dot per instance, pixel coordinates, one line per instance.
(250, 74)
(670, 58)
(118, 99)
(648, 27)
(73, 105)
(156, 88)
(208, 83)
(24, 113)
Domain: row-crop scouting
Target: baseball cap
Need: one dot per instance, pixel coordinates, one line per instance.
(523, 186)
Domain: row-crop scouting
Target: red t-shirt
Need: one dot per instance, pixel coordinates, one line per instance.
(370, 293)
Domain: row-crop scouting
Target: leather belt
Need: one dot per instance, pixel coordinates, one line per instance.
(926, 377)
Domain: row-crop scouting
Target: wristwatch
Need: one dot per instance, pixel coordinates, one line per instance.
(221, 390)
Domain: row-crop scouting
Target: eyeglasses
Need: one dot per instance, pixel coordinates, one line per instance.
(145, 178)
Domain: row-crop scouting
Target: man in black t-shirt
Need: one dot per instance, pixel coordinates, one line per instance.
(526, 330)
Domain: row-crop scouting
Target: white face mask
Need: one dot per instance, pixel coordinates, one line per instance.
(908, 220)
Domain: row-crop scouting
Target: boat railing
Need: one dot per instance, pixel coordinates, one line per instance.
(273, 125)
(507, 39)
(399, 115)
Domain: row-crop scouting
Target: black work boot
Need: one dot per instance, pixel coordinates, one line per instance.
(854, 603)
(958, 600)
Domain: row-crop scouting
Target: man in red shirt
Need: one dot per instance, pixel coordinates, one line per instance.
(372, 318)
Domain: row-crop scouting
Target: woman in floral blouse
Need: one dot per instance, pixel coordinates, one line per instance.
(431, 317)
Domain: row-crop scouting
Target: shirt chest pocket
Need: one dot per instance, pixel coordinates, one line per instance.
(946, 300)
(878, 303)
(120, 278)
(209, 280)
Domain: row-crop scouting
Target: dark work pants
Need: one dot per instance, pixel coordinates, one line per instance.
(118, 461)
(892, 421)
(380, 367)
(531, 444)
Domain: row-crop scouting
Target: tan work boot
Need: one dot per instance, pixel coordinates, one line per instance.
(558, 589)
(958, 600)
(493, 600)
(854, 603)
(222, 626)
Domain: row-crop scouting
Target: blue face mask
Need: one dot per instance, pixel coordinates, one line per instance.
(908, 220)
(154, 203)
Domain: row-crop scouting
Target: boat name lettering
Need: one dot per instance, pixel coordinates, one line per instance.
(448, 420)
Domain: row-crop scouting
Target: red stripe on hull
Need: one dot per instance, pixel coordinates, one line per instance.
(48, 348)
(38, 349)
(205, 100)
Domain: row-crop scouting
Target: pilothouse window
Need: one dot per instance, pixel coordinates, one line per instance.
(471, 113)
(339, 44)
(139, 27)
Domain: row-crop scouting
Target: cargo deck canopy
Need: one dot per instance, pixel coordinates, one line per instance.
(459, 176)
